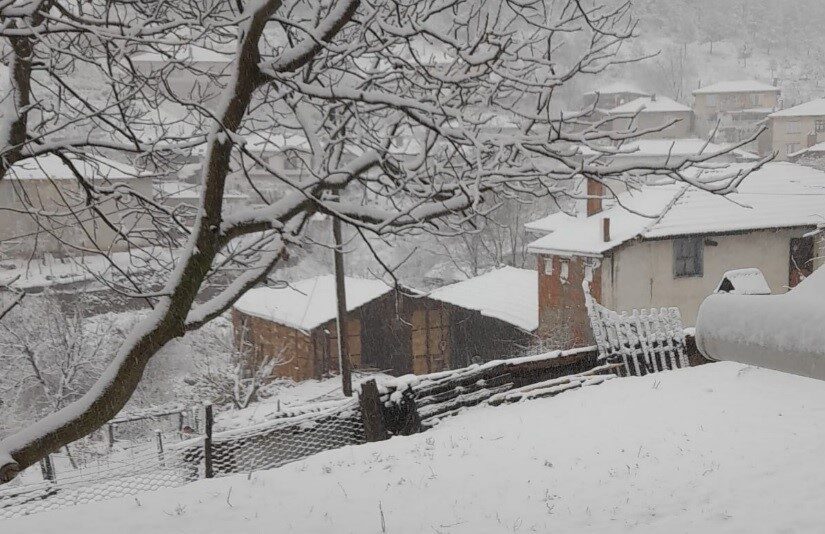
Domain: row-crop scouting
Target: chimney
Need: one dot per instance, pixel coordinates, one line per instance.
(595, 192)
(653, 97)
(606, 229)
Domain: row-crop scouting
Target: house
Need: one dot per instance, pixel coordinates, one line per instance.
(653, 112)
(185, 197)
(797, 128)
(670, 245)
(47, 184)
(612, 95)
(741, 105)
(186, 67)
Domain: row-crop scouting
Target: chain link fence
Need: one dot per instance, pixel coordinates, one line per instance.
(265, 446)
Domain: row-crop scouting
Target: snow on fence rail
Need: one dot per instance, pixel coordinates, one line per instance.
(413, 403)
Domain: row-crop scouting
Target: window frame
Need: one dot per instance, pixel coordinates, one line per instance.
(797, 127)
(819, 125)
(697, 249)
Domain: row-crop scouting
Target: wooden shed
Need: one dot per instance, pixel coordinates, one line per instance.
(395, 331)
(491, 316)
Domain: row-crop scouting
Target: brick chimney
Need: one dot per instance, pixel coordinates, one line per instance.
(595, 192)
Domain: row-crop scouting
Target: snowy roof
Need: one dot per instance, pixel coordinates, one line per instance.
(308, 303)
(737, 86)
(814, 108)
(744, 282)
(187, 191)
(780, 195)
(668, 147)
(617, 88)
(52, 167)
(652, 104)
(508, 294)
(818, 148)
(186, 53)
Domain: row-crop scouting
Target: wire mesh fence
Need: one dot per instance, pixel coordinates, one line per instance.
(265, 446)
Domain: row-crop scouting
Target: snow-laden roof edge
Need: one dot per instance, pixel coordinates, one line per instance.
(509, 294)
(737, 86)
(813, 108)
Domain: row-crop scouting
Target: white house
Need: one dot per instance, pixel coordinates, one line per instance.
(46, 184)
(653, 112)
(670, 245)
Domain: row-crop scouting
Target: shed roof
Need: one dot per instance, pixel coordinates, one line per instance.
(508, 294)
(737, 86)
(651, 104)
(814, 108)
(309, 303)
(780, 195)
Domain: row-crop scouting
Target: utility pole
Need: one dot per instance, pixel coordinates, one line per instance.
(341, 298)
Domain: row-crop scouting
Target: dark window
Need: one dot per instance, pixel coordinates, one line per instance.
(687, 256)
(820, 125)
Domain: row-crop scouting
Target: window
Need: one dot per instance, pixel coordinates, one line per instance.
(790, 148)
(793, 127)
(711, 101)
(564, 270)
(753, 99)
(688, 257)
(820, 125)
(548, 265)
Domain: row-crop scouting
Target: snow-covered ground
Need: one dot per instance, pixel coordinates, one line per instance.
(719, 448)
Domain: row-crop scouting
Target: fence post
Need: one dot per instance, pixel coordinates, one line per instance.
(207, 442)
(371, 412)
(47, 468)
(159, 439)
(110, 433)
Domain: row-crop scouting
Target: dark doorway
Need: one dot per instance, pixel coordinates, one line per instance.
(802, 259)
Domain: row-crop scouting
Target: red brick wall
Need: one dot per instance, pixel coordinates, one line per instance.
(563, 320)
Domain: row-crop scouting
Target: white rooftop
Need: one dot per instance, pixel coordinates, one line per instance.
(617, 88)
(309, 303)
(185, 53)
(186, 191)
(50, 166)
(651, 104)
(814, 108)
(666, 147)
(818, 148)
(508, 294)
(780, 195)
(736, 86)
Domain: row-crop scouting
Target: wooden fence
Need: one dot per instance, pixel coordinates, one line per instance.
(642, 342)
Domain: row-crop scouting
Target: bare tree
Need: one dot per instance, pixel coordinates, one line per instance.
(465, 86)
(228, 372)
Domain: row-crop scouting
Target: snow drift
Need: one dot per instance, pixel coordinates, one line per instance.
(782, 332)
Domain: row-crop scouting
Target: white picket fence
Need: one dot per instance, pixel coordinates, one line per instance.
(646, 341)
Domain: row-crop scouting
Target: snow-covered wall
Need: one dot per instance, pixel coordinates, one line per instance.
(640, 274)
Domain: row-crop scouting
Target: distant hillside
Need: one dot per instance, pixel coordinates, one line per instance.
(704, 41)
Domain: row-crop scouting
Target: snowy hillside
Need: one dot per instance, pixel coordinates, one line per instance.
(654, 454)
